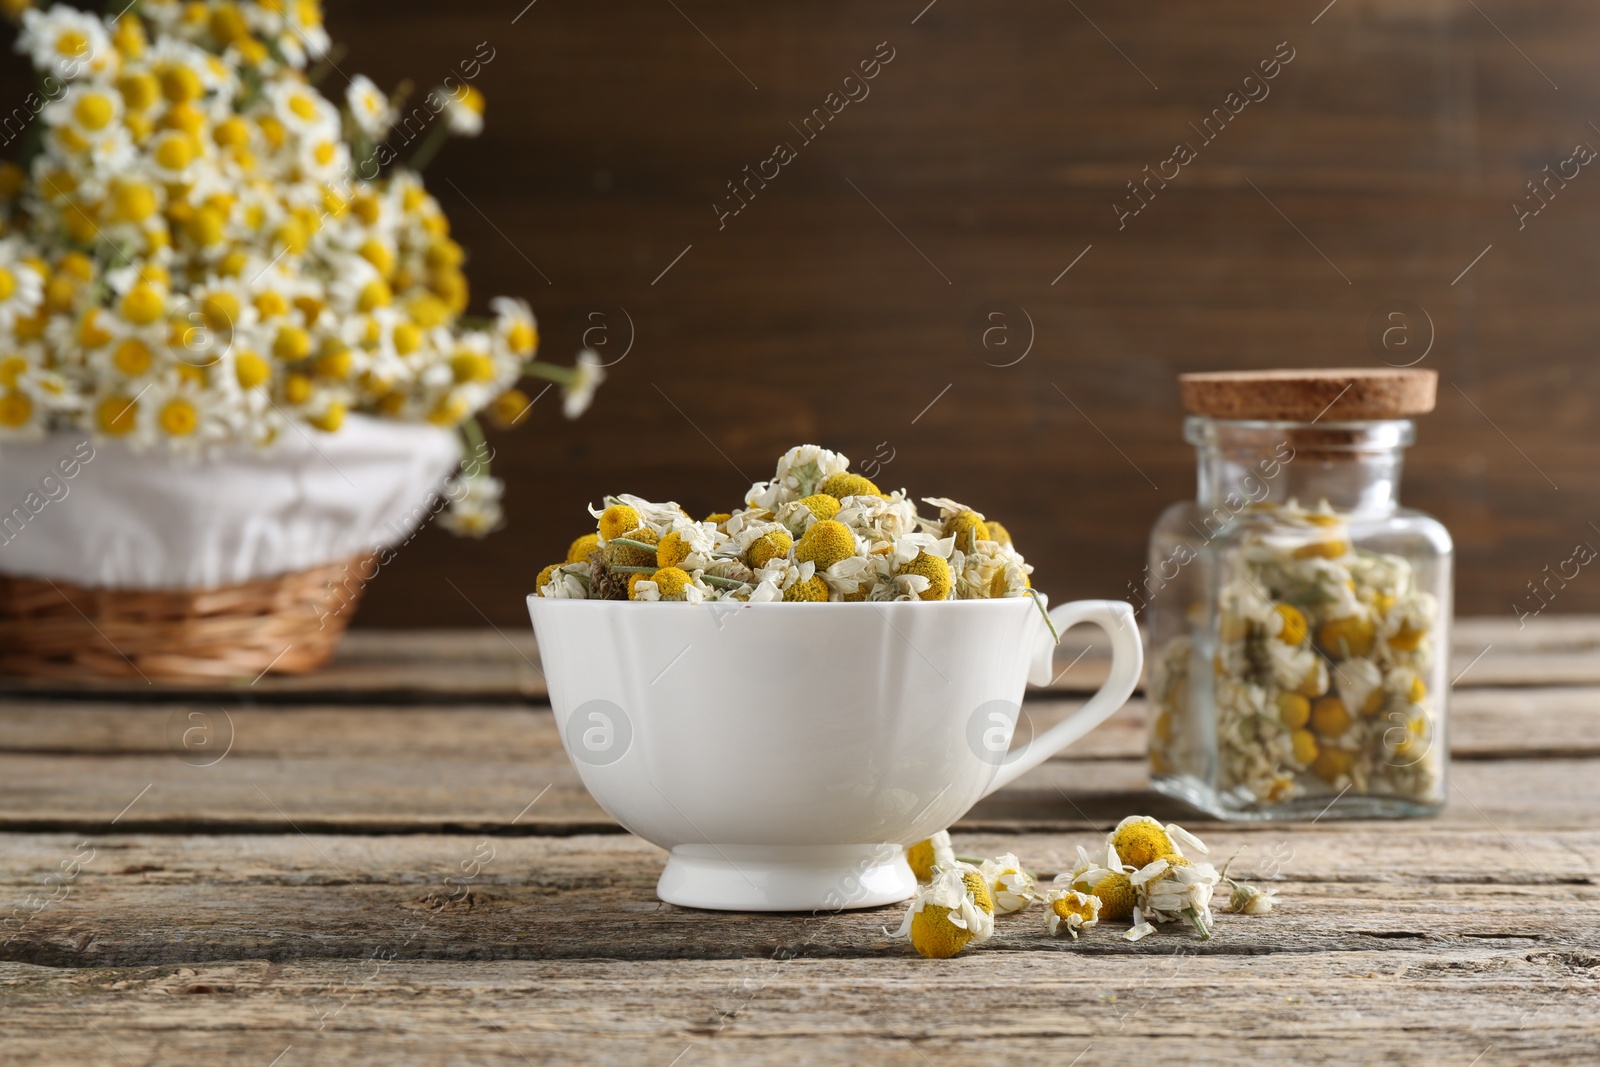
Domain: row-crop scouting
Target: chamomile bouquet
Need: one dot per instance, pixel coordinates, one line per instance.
(202, 246)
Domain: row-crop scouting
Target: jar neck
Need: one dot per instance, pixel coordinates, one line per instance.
(1354, 466)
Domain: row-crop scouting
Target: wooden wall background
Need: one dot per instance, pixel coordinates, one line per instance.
(985, 160)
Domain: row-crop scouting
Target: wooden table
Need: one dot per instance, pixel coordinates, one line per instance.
(393, 862)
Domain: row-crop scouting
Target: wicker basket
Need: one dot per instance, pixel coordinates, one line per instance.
(290, 624)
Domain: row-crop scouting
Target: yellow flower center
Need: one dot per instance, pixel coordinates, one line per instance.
(139, 90)
(303, 106)
(8, 283)
(471, 367)
(617, 520)
(220, 310)
(827, 542)
(174, 151)
(72, 44)
(407, 338)
(330, 419)
(143, 304)
(115, 415)
(291, 344)
(179, 417)
(933, 568)
(15, 409)
(132, 357)
(579, 550)
(1116, 897)
(1142, 842)
(767, 547)
(94, 111)
(250, 369)
(375, 294)
(522, 338)
(180, 84)
(132, 201)
(270, 304)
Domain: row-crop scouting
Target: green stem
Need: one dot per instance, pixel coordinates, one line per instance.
(477, 445)
(647, 546)
(437, 136)
(1040, 605)
(560, 375)
(726, 583)
(631, 570)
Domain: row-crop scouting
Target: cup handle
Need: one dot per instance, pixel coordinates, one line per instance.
(1115, 617)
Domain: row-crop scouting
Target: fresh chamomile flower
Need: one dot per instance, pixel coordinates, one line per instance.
(930, 853)
(67, 43)
(463, 110)
(369, 107)
(474, 509)
(1067, 911)
(515, 325)
(1012, 885)
(953, 910)
(21, 285)
(576, 395)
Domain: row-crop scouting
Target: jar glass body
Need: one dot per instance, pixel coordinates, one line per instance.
(1298, 623)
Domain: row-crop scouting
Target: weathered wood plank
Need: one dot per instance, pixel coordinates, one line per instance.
(137, 900)
(405, 769)
(1526, 1003)
(1486, 723)
(477, 794)
(488, 665)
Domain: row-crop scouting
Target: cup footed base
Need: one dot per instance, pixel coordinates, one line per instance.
(786, 878)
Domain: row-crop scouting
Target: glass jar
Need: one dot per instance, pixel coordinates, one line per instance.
(1298, 622)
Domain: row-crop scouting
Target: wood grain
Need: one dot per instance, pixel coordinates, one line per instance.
(502, 665)
(1523, 1002)
(293, 897)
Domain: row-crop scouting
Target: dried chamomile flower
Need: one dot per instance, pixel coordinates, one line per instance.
(935, 575)
(581, 548)
(1173, 887)
(952, 911)
(1012, 885)
(925, 855)
(1105, 877)
(1141, 840)
(1067, 911)
(825, 543)
(968, 528)
(617, 520)
(1246, 899)
(845, 484)
(635, 548)
(773, 544)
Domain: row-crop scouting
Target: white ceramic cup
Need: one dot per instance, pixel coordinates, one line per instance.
(786, 753)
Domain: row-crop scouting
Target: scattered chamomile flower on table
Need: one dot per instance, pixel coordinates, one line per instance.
(1012, 885)
(1102, 886)
(925, 856)
(950, 912)
(1067, 911)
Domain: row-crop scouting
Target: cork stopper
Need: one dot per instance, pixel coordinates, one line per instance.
(1337, 395)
